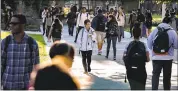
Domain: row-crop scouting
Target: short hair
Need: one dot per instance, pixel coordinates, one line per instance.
(54, 77)
(137, 30)
(167, 19)
(21, 18)
(61, 48)
(86, 21)
(83, 7)
(100, 11)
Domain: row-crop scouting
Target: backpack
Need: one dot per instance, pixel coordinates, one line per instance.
(7, 41)
(113, 29)
(135, 56)
(161, 42)
(100, 23)
(56, 32)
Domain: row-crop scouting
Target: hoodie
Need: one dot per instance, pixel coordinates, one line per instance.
(172, 40)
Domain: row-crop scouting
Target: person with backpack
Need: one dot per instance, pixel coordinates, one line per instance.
(98, 24)
(80, 21)
(111, 35)
(141, 20)
(162, 42)
(56, 30)
(48, 23)
(43, 15)
(120, 17)
(132, 20)
(148, 22)
(135, 56)
(71, 18)
(19, 55)
(174, 20)
(85, 40)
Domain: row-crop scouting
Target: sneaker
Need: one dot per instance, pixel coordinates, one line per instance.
(114, 58)
(89, 69)
(85, 72)
(99, 52)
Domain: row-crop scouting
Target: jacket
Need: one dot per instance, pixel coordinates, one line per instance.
(94, 22)
(110, 26)
(85, 42)
(120, 19)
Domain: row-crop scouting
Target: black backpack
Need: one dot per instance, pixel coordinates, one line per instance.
(135, 56)
(161, 42)
(100, 24)
(113, 29)
(56, 31)
(7, 41)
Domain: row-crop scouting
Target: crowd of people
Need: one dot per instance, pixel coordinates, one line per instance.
(21, 69)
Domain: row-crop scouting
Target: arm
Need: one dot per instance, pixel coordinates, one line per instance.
(79, 41)
(3, 55)
(35, 55)
(93, 23)
(150, 40)
(175, 39)
(78, 20)
(130, 19)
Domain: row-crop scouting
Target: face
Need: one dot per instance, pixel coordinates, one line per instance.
(88, 25)
(15, 26)
(83, 10)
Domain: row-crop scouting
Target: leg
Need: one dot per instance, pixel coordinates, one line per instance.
(119, 35)
(122, 28)
(167, 70)
(72, 30)
(84, 53)
(114, 40)
(43, 28)
(89, 54)
(108, 46)
(131, 27)
(69, 27)
(157, 66)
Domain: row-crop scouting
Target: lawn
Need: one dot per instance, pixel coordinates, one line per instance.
(40, 42)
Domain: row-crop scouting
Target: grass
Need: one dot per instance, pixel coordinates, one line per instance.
(40, 42)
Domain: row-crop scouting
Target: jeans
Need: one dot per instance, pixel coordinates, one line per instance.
(86, 60)
(71, 29)
(114, 39)
(121, 28)
(77, 32)
(167, 70)
(47, 30)
(131, 29)
(44, 23)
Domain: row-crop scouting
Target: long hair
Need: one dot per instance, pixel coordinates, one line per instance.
(113, 19)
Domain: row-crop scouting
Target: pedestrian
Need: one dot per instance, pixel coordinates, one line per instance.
(148, 22)
(85, 40)
(55, 31)
(98, 24)
(80, 21)
(54, 76)
(44, 14)
(111, 35)
(162, 42)
(120, 17)
(61, 14)
(132, 20)
(71, 20)
(91, 15)
(19, 54)
(174, 20)
(135, 56)
(141, 20)
(48, 23)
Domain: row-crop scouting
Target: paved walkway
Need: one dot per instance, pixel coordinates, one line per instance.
(109, 74)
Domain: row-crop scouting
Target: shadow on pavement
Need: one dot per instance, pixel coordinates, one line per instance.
(107, 84)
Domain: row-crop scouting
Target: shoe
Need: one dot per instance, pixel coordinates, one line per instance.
(99, 52)
(85, 72)
(89, 69)
(106, 57)
(114, 58)
(75, 41)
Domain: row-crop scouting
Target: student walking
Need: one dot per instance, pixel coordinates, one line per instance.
(98, 24)
(19, 55)
(44, 14)
(135, 57)
(71, 18)
(85, 40)
(132, 20)
(80, 21)
(162, 42)
(111, 35)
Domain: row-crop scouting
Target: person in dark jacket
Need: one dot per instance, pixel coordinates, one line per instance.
(71, 18)
(148, 22)
(111, 34)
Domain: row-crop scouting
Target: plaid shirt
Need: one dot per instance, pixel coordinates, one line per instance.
(19, 64)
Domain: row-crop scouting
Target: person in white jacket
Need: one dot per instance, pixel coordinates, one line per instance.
(85, 40)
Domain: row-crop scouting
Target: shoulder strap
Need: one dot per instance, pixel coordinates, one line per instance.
(7, 40)
(30, 43)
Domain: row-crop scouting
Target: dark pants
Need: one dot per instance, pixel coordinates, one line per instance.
(121, 28)
(71, 29)
(167, 70)
(137, 82)
(77, 32)
(131, 29)
(44, 27)
(86, 60)
(114, 40)
(47, 30)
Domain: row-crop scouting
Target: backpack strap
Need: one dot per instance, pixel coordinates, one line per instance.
(81, 37)
(30, 43)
